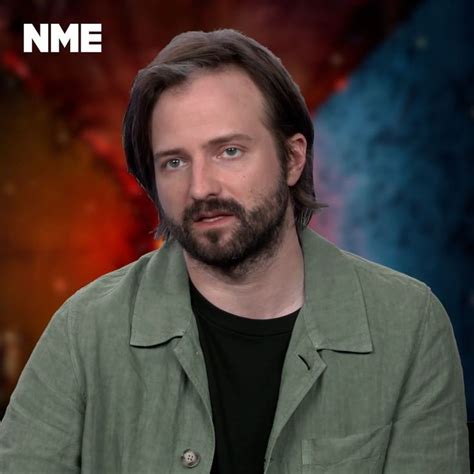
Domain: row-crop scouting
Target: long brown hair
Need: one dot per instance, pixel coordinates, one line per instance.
(193, 51)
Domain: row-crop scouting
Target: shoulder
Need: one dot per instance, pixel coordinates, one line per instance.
(395, 304)
(105, 305)
(116, 287)
(341, 272)
(389, 294)
(398, 305)
(379, 281)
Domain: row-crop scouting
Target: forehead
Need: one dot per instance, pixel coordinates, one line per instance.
(209, 102)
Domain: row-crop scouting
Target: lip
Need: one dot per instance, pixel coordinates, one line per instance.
(214, 220)
(210, 214)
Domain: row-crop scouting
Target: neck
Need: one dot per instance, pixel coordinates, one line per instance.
(259, 290)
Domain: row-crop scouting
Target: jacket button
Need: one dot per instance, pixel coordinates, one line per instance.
(190, 458)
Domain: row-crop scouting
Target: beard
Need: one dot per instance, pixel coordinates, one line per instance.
(255, 236)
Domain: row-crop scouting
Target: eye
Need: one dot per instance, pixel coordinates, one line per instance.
(174, 163)
(231, 152)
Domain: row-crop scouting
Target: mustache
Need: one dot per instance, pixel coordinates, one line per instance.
(211, 205)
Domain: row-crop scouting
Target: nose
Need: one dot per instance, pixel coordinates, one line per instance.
(204, 181)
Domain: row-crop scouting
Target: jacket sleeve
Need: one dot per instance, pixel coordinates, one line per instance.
(429, 432)
(41, 429)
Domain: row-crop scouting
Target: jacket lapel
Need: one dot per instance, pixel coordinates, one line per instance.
(162, 312)
(333, 317)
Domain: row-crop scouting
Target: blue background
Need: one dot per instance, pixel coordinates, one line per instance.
(394, 159)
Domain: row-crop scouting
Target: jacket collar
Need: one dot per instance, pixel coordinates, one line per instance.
(334, 313)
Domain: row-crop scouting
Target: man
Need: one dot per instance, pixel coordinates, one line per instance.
(247, 343)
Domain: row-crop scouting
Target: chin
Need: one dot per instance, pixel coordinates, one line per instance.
(215, 249)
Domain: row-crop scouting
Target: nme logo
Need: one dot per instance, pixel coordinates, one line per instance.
(81, 38)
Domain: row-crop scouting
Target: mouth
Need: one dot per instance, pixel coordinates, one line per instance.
(211, 220)
(211, 216)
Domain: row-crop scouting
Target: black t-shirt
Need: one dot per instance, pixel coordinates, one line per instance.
(244, 358)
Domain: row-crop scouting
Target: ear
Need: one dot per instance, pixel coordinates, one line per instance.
(297, 158)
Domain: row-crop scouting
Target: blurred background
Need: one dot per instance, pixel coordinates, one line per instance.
(390, 84)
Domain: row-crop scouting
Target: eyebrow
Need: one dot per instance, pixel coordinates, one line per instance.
(210, 144)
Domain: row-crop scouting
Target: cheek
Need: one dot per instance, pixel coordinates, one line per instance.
(263, 182)
(172, 195)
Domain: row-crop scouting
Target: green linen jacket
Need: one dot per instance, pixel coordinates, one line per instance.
(371, 383)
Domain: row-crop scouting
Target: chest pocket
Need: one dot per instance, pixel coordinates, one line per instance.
(358, 453)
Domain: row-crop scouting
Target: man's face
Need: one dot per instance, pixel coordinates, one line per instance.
(220, 183)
